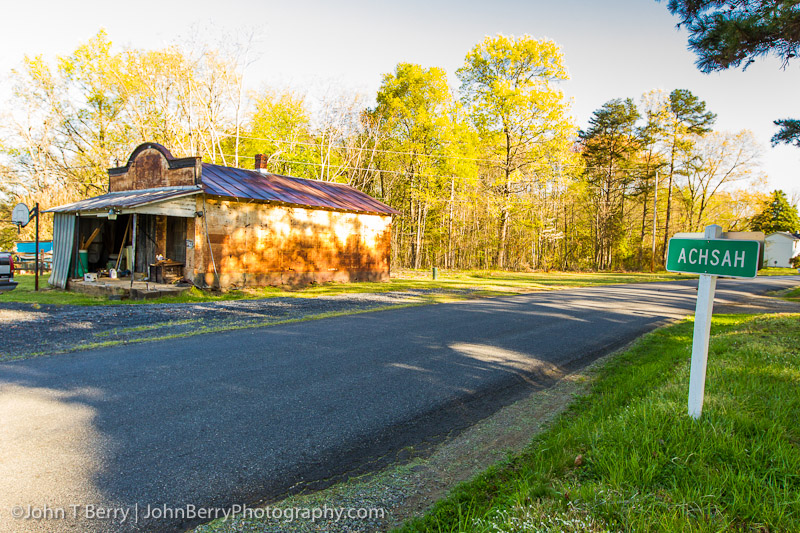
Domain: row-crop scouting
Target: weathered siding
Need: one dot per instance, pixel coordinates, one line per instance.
(179, 207)
(260, 244)
(149, 168)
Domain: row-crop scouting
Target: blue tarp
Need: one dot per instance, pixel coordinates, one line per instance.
(30, 247)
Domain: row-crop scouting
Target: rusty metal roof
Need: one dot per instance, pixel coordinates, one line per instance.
(241, 183)
(125, 199)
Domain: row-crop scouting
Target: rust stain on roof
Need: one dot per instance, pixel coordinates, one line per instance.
(240, 183)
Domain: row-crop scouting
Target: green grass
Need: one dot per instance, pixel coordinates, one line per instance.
(452, 284)
(460, 285)
(627, 457)
(499, 282)
(793, 295)
(25, 293)
(773, 271)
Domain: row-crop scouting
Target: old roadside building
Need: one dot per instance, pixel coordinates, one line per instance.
(221, 226)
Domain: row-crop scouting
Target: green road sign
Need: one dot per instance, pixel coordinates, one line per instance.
(718, 257)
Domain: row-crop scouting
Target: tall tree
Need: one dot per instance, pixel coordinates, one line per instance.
(717, 159)
(71, 123)
(415, 105)
(280, 128)
(651, 162)
(777, 214)
(67, 125)
(346, 139)
(687, 117)
(609, 145)
(789, 132)
(508, 86)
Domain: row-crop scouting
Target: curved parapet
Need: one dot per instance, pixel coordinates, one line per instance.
(152, 166)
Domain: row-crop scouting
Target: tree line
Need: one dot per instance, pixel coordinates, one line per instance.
(493, 174)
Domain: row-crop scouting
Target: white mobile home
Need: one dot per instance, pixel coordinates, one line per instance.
(779, 249)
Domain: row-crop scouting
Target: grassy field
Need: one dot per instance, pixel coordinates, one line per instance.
(628, 458)
(449, 285)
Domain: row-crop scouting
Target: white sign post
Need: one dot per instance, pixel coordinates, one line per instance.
(710, 254)
(702, 331)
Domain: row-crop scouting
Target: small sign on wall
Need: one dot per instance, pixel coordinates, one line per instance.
(189, 243)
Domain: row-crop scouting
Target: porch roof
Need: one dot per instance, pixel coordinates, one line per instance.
(125, 199)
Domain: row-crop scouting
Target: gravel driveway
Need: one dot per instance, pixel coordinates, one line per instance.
(29, 330)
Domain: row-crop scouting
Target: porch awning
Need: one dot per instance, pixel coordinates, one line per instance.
(125, 200)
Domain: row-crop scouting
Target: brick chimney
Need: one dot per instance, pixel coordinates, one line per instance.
(261, 163)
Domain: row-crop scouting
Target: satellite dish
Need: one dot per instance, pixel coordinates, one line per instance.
(21, 215)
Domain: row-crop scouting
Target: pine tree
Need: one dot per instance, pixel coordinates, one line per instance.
(778, 215)
(687, 117)
(727, 33)
(609, 146)
(789, 132)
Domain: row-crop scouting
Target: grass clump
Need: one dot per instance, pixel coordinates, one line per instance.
(627, 457)
(793, 295)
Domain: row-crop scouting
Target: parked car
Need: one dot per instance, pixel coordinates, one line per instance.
(7, 282)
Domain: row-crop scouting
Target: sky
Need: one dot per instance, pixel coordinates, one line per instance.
(613, 49)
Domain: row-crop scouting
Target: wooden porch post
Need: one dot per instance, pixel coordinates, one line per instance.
(133, 243)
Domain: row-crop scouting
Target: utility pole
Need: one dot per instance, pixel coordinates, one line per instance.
(36, 278)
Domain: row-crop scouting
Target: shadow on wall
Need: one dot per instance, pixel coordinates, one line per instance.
(256, 244)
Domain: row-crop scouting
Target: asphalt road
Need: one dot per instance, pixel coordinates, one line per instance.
(236, 417)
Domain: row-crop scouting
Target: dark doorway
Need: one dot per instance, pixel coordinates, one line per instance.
(176, 239)
(145, 242)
